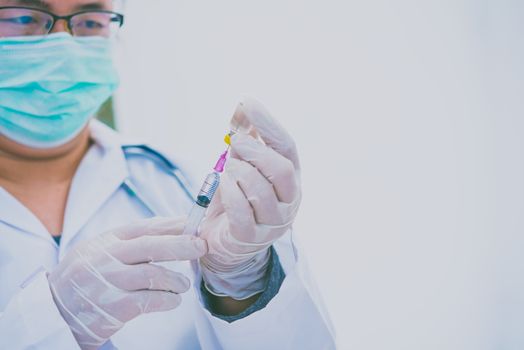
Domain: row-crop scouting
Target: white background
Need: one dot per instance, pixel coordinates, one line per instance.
(409, 119)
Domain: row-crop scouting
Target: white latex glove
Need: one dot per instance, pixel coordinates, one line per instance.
(104, 283)
(256, 204)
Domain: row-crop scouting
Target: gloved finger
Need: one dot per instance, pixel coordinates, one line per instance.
(216, 207)
(145, 249)
(258, 191)
(237, 209)
(147, 301)
(129, 305)
(275, 167)
(269, 129)
(147, 276)
(154, 226)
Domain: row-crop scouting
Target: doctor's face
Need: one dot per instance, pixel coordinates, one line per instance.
(13, 19)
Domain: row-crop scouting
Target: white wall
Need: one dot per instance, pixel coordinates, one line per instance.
(409, 117)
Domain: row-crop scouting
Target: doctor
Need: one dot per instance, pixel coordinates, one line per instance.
(91, 251)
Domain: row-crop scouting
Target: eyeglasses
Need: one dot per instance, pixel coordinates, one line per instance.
(24, 21)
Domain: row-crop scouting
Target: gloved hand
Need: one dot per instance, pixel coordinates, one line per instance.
(255, 205)
(105, 282)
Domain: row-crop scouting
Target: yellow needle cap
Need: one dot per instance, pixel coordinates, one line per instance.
(227, 139)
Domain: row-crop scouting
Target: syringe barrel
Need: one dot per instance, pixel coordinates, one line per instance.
(208, 190)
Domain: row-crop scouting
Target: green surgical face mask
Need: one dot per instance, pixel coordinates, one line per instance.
(50, 86)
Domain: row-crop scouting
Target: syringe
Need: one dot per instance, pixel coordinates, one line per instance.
(210, 186)
(205, 196)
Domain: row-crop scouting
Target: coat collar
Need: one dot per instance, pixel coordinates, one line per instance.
(100, 174)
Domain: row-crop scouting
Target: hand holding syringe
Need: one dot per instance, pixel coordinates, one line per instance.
(257, 204)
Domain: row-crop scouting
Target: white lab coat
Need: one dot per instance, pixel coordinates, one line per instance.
(294, 319)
